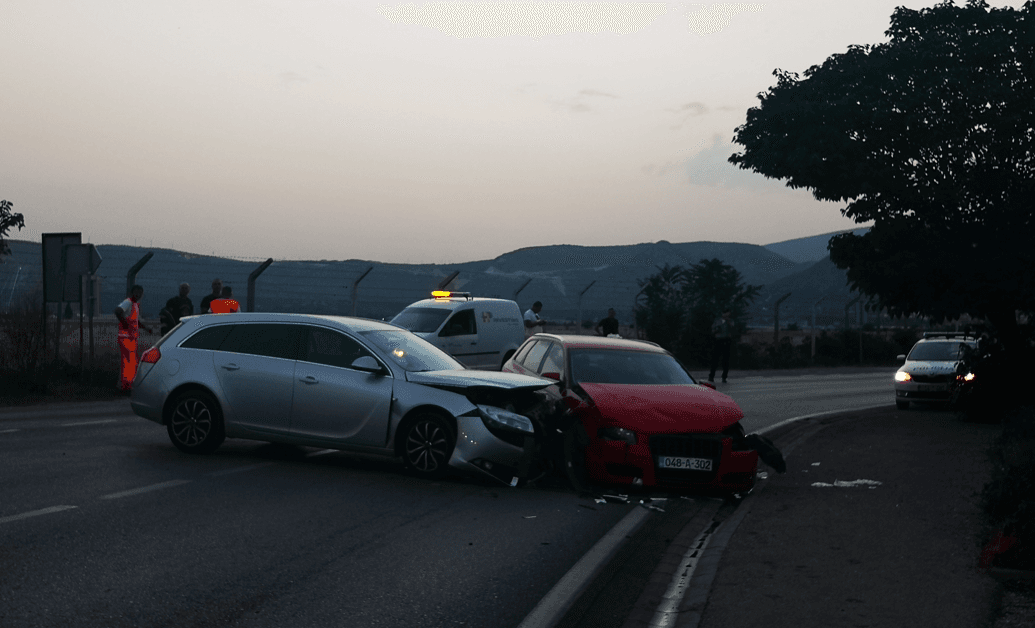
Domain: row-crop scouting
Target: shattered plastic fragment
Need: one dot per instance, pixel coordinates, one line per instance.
(514, 482)
(530, 516)
(600, 500)
(852, 484)
(762, 475)
(815, 464)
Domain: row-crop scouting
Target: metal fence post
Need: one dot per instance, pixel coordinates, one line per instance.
(578, 323)
(251, 283)
(776, 319)
(355, 288)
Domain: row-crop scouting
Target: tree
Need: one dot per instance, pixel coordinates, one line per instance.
(930, 136)
(682, 303)
(8, 219)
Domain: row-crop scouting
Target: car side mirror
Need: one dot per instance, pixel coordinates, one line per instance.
(368, 364)
(901, 357)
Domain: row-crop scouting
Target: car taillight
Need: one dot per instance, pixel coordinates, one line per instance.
(151, 355)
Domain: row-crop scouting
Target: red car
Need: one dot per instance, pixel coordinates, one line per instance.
(646, 420)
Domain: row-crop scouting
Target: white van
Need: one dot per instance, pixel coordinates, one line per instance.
(480, 333)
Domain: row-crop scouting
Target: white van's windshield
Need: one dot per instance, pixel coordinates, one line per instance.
(422, 320)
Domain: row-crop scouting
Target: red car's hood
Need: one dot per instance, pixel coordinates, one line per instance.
(664, 409)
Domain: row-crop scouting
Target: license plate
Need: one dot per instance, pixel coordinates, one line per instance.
(691, 464)
(931, 387)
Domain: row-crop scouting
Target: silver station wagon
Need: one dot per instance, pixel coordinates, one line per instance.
(339, 383)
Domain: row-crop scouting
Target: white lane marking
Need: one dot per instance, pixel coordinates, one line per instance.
(551, 608)
(89, 422)
(240, 469)
(668, 609)
(321, 452)
(145, 489)
(7, 431)
(35, 513)
(817, 414)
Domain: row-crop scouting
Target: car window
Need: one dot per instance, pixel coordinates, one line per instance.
(274, 340)
(535, 356)
(935, 351)
(554, 361)
(519, 358)
(207, 338)
(332, 348)
(609, 366)
(461, 324)
(421, 319)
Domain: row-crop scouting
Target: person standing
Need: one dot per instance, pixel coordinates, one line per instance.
(128, 315)
(225, 304)
(217, 288)
(722, 330)
(609, 325)
(176, 308)
(533, 322)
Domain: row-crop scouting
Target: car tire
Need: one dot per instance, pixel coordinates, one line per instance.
(575, 470)
(195, 423)
(427, 445)
(901, 405)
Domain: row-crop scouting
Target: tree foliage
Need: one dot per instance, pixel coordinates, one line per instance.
(680, 304)
(8, 219)
(930, 136)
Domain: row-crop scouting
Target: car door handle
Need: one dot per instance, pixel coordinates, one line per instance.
(231, 367)
(308, 379)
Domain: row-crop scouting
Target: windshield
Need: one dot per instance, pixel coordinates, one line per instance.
(411, 352)
(608, 366)
(421, 319)
(936, 351)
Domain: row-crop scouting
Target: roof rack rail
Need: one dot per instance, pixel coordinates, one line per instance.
(949, 334)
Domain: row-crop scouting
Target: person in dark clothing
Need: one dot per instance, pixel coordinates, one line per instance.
(176, 308)
(723, 332)
(217, 289)
(609, 325)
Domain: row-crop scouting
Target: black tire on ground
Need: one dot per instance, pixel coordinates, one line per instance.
(427, 445)
(901, 405)
(196, 423)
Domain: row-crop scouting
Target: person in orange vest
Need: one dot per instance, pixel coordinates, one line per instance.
(225, 304)
(128, 313)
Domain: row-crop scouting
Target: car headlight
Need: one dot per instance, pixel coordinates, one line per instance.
(498, 418)
(617, 433)
(902, 376)
(969, 377)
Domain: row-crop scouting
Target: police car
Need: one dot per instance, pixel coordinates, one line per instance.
(930, 367)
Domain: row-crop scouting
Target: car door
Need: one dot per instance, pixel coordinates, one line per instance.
(459, 338)
(255, 366)
(335, 402)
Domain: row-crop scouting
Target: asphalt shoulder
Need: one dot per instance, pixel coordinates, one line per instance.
(876, 522)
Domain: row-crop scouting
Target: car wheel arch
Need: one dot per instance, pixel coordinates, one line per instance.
(411, 415)
(170, 399)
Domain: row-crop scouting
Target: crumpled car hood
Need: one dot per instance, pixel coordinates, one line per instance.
(461, 379)
(926, 367)
(664, 409)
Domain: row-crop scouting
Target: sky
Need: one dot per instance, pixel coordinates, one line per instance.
(437, 132)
